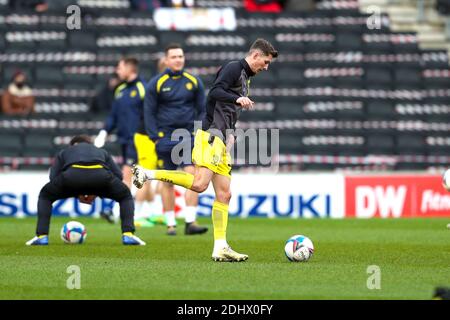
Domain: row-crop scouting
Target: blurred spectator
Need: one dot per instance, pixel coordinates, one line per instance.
(102, 101)
(182, 3)
(145, 5)
(37, 5)
(150, 5)
(275, 6)
(272, 6)
(18, 98)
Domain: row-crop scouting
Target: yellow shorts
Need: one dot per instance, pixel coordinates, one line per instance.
(214, 157)
(146, 151)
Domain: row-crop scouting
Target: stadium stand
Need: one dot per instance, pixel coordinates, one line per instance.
(355, 98)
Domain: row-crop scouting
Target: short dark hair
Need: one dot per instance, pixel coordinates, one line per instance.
(131, 61)
(80, 138)
(265, 47)
(171, 46)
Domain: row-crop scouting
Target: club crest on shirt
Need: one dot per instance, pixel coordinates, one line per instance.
(189, 86)
(133, 93)
(215, 160)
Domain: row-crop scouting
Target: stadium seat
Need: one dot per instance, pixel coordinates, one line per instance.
(351, 114)
(263, 80)
(438, 150)
(378, 76)
(10, 143)
(87, 80)
(407, 76)
(38, 152)
(22, 46)
(376, 109)
(411, 47)
(319, 46)
(82, 40)
(38, 142)
(55, 45)
(290, 76)
(289, 110)
(2, 42)
(380, 144)
(348, 42)
(410, 144)
(403, 166)
(167, 37)
(13, 153)
(49, 75)
(384, 47)
(318, 167)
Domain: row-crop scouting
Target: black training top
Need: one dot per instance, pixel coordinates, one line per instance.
(232, 81)
(83, 154)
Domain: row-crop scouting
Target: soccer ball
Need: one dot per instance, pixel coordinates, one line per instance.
(299, 248)
(446, 179)
(73, 232)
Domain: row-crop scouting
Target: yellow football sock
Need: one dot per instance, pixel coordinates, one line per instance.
(220, 220)
(179, 178)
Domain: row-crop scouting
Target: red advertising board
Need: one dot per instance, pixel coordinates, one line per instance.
(396, 196)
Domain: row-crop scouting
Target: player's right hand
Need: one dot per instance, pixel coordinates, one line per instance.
(245, 102)
(100, 139)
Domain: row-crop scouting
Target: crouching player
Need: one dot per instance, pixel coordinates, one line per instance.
(79, 170)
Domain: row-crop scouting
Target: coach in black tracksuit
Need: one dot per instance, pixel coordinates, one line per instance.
(83, 169)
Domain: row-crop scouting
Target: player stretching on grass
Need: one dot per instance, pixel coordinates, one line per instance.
(227, 97)
(84, 171)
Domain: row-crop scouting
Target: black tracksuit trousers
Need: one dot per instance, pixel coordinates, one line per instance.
(80, 181)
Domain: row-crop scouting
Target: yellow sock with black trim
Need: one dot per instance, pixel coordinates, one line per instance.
(180, 178)
(220, 220)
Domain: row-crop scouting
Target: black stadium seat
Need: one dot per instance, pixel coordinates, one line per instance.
(50, 75)
(289, 110)
(378, 76)
(408, 76)
(348, 42)
(380, 110)
(10, 143)
(410, 144)
(82, 40)
(380, 144)
(289, 76)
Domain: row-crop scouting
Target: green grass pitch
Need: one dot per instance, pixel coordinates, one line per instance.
(413, 256)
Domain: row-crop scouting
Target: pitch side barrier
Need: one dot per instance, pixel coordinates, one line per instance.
(266, 195)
